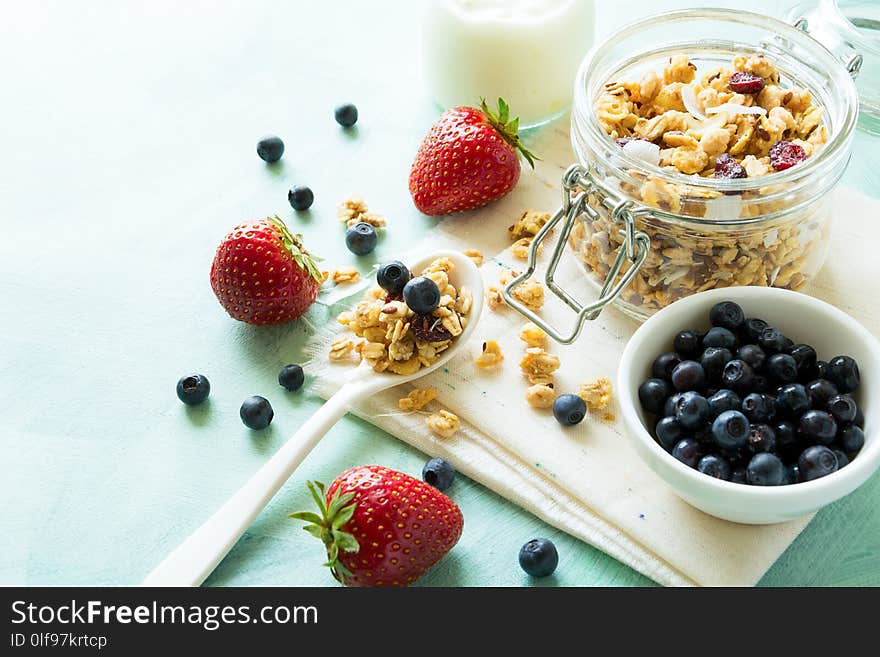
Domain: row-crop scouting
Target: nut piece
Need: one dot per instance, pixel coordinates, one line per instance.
(532, 335)
(541, 395)
(417, 399)
(491, 355)
(345, 275)
(475, 255)
(538, 365)
(528, 225)
(597, 394)
(444, 423)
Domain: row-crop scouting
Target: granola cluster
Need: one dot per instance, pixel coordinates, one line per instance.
(710, 125)
(524, 230)
(353, 211)
(530, 293)
(389, 336)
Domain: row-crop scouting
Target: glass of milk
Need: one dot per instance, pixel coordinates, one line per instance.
(525, 51)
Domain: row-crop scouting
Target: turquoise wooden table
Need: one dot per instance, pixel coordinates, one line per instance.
(126, 152)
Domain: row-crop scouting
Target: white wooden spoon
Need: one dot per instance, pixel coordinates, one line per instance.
(195, 558)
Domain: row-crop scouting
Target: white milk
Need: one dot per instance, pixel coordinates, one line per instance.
(525, 51)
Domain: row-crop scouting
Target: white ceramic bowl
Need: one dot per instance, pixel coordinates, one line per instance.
(806, 320)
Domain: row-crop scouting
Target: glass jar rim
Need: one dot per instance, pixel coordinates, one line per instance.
(846, 27)
(584, 113)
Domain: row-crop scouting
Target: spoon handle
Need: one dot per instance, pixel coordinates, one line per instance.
(194, 559)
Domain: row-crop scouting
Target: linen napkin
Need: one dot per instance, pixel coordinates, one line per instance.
(586, 480)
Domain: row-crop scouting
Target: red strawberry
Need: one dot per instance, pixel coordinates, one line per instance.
(262, 273)
(468, 159)
(382, 527)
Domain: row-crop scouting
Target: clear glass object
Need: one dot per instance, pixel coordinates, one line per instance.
(525, 51)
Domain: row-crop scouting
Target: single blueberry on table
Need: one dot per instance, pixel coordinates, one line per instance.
(653, 394)
(815, 462)
(688, 375)
(738, 376)
(752, 354)
(421, 295)
(664, 364)
(713, 361)
(714, 466)
(270, 149)
(792, 400)
(762, 438)
(851, 439)
(727, 314)
(718, 336)
(765, 470)
(687, 343)
(782, 368)
(843, 409)
(438, 473)
(193, 389)
(256, 412)
(569, 409)
(539, 557)
(688, 451)
(346, 115)
(692, 411)
(668, 432)
(758, 407)
(291, 377)
(300, 197)
(820, 391)
(392, 276)
(817, 427)
(843, 372)
(730, 430)
(361, 239)
(724, 400)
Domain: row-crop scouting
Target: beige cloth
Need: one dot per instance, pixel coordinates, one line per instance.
(586, 480)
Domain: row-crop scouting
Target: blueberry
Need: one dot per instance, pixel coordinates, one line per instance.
(300, 197)
(820, 391)
(688, 451)
(765, 470)
(860, 418)
(668, 432)
(688, 375)
(805, 357)
(771, 340)
(569, 409)
(718, 336)
(713, 361)
(392, 276)
(843, 372)
(792, 400)
(653, 394)
(346, 115)
(843, 409)
(821, 370)
(671, 404)
(193, 389)
(361, 238)
(692, 411)
(782, 368)
(817, 461)
(421, 295)
(752, 354)
(817, 427)
(791, 476)
(738, 476)
(727, 314)
(752, 328)
(539, 557)
(291, 377)
(270, 149)
(737, 376)
(438, 473)
(730, 430)
(761, 384)
(714, 466)
(664, 364)
(724, 400)
(842, 459)
(256, 412)
(758, 407)
(787, 443)
(762, 438)
(852, 439)
(687, 343)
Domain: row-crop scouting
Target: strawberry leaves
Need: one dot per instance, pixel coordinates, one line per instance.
(508, 129)
(294, 243)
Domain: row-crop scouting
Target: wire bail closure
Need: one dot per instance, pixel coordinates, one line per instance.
(635, 248)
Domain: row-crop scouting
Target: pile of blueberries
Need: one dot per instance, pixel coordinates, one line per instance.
(744, 403)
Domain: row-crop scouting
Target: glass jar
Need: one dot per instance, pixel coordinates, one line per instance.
(647, 236)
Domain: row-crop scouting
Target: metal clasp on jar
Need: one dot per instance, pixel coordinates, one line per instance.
(578, 183)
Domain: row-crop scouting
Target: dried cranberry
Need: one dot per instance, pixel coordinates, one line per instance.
(623, 141)
(726, 166)
(393, 297)
(743, 82)
(429, 329)
(784, 155)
